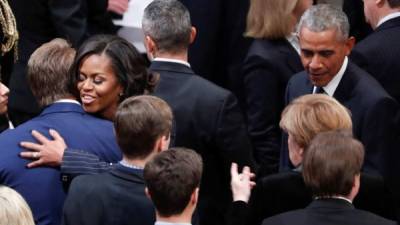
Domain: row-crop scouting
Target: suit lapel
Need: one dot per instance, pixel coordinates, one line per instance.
(346, 85)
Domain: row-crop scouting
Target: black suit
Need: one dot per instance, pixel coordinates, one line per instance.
(115, 197)
(373, 112)
(286, 191)
(219, 48)
(267, 69)
(379, 55)
(328, 212)
(209, 121)
(38, 22)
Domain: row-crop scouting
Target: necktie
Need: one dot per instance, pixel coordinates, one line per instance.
(319, 90)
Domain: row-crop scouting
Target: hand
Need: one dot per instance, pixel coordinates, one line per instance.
(118, 6)
(47, 152)
(241, 184)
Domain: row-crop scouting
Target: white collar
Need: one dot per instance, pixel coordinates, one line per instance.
(388, 17)
(294, 41)
(172, 60)
(67, 101)
(336, 197)
(330, 88)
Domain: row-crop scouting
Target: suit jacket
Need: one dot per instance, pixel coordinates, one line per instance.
(378, 54)
(208, 120)
(286, 191)
(373, 112)
(354, 10)
(41, 187)
(220, 47)
(39, 22)
(267, 69)
(114, 197)
(328, 212)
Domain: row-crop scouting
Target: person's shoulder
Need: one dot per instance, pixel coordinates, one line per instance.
(371, 219)
(291, 217)
(90, 183)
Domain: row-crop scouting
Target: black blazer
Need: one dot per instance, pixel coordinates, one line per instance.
(286, 191)
(267, 69)
(208, 120)
(115, 197)
(328, 212)
(374, 115)
(379, 55)
(39, 22)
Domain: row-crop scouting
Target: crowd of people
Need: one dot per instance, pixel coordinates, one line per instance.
(292, 118)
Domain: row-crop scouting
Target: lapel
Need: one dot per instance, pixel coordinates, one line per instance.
(395, 22)
(160, 66)
(62, 107)
(131, 175)
(293, 58)
(345, 88)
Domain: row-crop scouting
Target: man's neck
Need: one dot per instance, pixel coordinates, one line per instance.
(384, 14)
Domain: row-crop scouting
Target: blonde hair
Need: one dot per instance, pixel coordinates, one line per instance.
(8, 28)
(311, 114)
(272, 19)
(13, 208)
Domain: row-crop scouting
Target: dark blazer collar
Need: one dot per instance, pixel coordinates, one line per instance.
(293, 57)
(345, 88)
(332, 203)
(395, 22)
(62, 107)
(129, 174)
(170, 66)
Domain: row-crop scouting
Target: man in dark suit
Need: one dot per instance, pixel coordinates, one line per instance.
(324, 46)
(42, 187)
(207, 117)
(142, 125)
(333, 183)
(172, 183)
(378, 54)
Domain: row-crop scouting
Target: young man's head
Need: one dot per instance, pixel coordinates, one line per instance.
(332, 164)
(48, 71)
(375, 10)
(167, 28)
(143, 126)
(172, 179)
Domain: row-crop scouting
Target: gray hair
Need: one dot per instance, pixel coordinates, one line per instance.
(323, 17)
(168, 23)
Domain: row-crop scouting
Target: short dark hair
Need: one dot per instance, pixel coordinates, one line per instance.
(171, 177)
(331, 162)
(126, 61)
(48, 69)
(139, 122)
(168, 23)
(394, 3)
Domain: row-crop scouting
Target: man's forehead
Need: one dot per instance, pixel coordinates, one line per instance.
(318, 39)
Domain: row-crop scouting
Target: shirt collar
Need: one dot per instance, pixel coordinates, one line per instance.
(330, 88)
(336, 197)
(388, 17)
(167, 223)
(172, 60)
(294, 41)
(67, 101)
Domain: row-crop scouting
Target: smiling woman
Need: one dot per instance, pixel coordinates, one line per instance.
(106, 70)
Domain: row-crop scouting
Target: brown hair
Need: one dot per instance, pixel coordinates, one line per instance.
(311, 114)
(48, 71)
(171, 177)
(331, 162)
(139, 122)
(394, 3)
(272, 19)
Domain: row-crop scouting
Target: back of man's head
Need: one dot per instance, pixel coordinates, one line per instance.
(139, 122)
(394, 3)
(332, 162)
(167, 22)
(48, 71)
(322, 17)
(172, 177)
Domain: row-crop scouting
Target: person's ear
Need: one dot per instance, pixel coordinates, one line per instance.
(350, 42)
(151, 47)
(195, 196)
(193, 33)
(148, 195)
